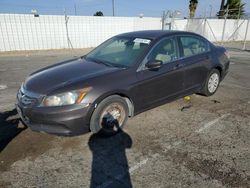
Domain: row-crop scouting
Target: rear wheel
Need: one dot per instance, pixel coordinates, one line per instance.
(212, 83)
(109, 116)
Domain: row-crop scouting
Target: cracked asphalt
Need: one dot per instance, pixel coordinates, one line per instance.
(204, 145)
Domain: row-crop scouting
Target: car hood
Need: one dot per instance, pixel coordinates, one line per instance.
(62, 74)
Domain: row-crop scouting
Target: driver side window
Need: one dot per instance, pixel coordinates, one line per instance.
(164, 51)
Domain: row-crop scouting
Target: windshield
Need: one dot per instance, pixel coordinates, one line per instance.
(119, 51)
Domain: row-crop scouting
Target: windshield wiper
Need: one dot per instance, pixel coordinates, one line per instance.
(83, 57)
(100, 61)
(120, 66)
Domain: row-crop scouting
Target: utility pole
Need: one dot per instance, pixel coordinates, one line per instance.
(245, 38)
(222, 11)
(211, 10)
(224, 25)
(75, 9)
(113, 7)
(163, 20)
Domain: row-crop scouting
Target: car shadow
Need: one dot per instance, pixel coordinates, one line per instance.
(109, 164)
(9, 127)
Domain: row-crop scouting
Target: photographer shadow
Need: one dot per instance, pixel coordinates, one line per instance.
(109, 164)
(9, 128)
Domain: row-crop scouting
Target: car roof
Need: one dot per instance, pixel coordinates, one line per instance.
(153, 34)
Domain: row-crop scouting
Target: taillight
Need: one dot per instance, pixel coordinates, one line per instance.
(227, 54)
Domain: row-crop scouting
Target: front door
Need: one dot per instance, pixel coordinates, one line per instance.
(157, 85)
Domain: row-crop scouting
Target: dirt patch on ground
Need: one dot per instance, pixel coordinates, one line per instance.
(212, 168)
(27, 144)
(166, 138)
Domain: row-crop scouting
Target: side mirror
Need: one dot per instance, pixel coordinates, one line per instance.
(155, 64)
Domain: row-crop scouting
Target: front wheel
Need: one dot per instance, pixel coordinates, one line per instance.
(110, 116)
(212, 83)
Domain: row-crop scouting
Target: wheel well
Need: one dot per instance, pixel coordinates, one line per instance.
(129, 103)
(126, 98)
(219, 69)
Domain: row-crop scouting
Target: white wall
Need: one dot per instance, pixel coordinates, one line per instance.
(26, 32)
(212, 29)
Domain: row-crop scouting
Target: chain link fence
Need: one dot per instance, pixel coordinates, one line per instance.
(40, 32)
(219, 30)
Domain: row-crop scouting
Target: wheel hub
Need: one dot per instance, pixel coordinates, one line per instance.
(213, 82)
(112, 117)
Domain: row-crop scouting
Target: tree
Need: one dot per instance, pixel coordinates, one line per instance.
(233, 9)
(98, 13)
(221, 12)
(192, 8)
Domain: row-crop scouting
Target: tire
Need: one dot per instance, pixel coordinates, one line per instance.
(212, 83)
(110, 116)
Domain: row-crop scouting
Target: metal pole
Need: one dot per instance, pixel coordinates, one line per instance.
(27, 36)
(205, 20)
(224, 26)
(75, 8)
(32, 34)
(238, 19)
(223, 32)
(12, 33)
(163, 20)
(204, 27)
(212, 31)
(211, 9)
(113, 7)
(67, 30)
(245, 38)
(18, 33)
(171, 22)
(4, 48)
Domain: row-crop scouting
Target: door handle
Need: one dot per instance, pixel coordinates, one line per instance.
(178, 66)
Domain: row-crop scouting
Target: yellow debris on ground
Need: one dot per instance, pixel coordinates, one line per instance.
(187, 98)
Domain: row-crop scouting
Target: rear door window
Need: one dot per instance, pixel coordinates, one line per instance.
(193, 45)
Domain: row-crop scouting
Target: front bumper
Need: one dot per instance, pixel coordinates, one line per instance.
(68, 120)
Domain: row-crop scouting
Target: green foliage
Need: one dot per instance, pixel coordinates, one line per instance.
(233, 9)
(98, 13)
(192, 8)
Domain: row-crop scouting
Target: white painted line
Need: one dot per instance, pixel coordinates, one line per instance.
(173, 145)
(120, 176)
(211, 123)
(232, 63)
(138, 165)
(2, 87)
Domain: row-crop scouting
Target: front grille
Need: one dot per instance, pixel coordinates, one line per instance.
(27, 98)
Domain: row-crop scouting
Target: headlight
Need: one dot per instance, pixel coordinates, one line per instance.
(67, 98)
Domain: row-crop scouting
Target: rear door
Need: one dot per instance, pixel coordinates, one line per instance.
(195, 59)
(155, 86)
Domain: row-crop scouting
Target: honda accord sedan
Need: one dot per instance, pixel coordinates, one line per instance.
(124, 76)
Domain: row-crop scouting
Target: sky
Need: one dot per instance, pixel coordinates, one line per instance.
(149, 8)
